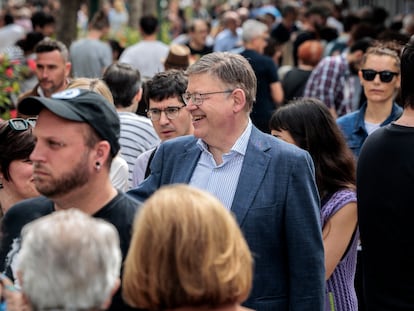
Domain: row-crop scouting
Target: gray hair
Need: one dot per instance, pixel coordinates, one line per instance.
(232, 69)
(253, 29)
(50, 45)
(69, 261)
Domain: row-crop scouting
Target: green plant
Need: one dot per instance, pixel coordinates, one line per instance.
(11, 73)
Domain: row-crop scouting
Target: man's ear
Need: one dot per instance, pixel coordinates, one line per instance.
(357, 55)
(102, 151)
(239, 98)
(136, 100)
(68, 67)
(138, 95)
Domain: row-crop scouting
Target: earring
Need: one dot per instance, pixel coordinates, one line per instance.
(98, 165)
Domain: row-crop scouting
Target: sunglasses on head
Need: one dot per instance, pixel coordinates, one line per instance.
(20, 124)
(385, 76)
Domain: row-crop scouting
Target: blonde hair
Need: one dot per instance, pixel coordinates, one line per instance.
(186, 250)
(94, 85)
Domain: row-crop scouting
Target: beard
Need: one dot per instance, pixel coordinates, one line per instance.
(77, 177)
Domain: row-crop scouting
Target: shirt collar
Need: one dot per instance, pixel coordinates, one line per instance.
(240, 146)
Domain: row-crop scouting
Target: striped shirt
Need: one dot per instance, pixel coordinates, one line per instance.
(221, 180)
(137, 136)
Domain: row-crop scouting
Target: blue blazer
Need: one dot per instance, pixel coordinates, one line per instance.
(277, 207)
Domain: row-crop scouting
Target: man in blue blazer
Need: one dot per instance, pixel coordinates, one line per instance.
(268, 184)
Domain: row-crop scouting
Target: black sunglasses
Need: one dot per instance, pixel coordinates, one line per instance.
(385, 76)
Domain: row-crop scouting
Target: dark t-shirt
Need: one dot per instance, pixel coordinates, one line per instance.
(281, 33)
(266, 74)
(385, 185)
(120, 212)
(294, 83)
(198, 53)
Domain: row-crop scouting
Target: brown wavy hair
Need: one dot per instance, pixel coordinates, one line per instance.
(186, 250)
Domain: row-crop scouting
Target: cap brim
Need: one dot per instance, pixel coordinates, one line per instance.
(33, 105)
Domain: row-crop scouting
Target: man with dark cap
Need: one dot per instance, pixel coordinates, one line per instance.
(77, 133)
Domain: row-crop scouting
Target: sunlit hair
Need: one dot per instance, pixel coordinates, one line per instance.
(313, 128)
(186, 250)
(69, 261)
(232, 69)
(384, 48)
(92, 84)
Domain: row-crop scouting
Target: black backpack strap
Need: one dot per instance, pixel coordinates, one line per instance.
(148, 170)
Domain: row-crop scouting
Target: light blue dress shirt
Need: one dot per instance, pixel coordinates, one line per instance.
(221, 180)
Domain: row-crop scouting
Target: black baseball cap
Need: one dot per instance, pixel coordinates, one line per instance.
(81, 106)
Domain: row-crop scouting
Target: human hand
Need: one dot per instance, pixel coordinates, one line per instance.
(13, 296)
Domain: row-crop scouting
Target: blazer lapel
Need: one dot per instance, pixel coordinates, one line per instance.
(189, 161)
(252, 173)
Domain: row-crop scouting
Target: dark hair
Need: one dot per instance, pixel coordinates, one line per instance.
(407, 74)
(349, 21)
(100, 21)
(289, 8)
(41, 19)
(148, 24)
(116, 47)
(313, 128)
(318, 9)
(163, 85)
(8, 18)
(32, 38)
(14, 145)
(361, 45)
(124, 81)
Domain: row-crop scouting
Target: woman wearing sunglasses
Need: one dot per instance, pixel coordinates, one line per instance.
(380, 79)
(16, 173)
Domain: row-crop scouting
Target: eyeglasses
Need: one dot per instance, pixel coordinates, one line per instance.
(170, 112)
(198, 98)
(385, 76)
(20, 124)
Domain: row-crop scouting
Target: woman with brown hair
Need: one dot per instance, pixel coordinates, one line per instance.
(187, 253)
(308, 124)
(16, 173)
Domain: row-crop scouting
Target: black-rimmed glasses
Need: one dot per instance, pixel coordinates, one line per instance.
(386, 76)
(170, 112)
(20, 124)
(198, 98)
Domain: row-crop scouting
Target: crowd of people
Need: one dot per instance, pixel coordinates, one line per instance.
(258, 160)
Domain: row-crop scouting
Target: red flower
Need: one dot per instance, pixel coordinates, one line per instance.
(32, 64)
(9, 72)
